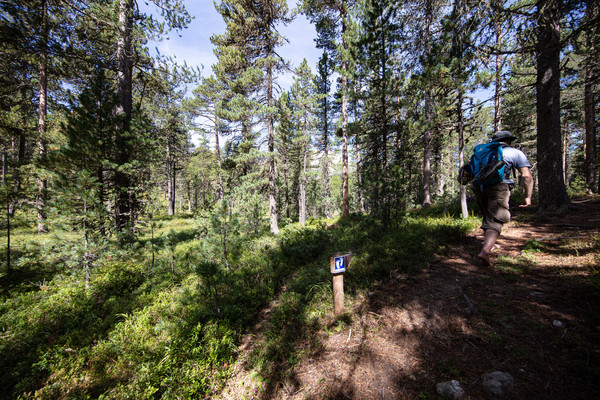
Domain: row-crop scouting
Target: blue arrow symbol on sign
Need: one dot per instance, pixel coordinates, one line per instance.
(339, 264)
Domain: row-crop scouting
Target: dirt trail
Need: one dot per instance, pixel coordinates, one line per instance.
(533, 314)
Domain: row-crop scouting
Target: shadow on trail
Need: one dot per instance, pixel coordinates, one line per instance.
(459, 321)
(290, 334)
(454, 320)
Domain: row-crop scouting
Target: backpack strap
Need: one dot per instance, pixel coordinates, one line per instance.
(512, 168)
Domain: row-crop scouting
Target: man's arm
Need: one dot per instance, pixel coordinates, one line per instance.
(527, 182)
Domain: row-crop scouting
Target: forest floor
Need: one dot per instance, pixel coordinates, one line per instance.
(535, 314)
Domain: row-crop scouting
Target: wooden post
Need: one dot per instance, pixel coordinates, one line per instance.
(338, 264)
(338, 294)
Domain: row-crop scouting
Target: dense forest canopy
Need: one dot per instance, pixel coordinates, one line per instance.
(150, 210)
(398, 89)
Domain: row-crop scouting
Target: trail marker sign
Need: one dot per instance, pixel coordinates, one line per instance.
(339, 264)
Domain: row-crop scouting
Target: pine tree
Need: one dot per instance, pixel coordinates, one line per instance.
(171, 120)
(378, 45)
(90, 134)
(325, 124)
(285, 130)
(552, 193)
(257, 23)
(331, 20)
(427, 135)
(461, 68)
(592, 70)
(176, 17)
(208, 105)
(240, 79)
(304, 101)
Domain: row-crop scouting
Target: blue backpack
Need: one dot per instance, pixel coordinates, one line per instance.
(486, 166)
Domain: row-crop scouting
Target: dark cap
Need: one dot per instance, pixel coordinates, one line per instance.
(501, 136)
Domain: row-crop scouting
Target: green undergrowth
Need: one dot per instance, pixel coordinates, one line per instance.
(164, 316)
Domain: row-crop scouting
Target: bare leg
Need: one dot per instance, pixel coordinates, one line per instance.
(488, 243)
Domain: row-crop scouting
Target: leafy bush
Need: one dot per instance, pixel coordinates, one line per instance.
(172, 331)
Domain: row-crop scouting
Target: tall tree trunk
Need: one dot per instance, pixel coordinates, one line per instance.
(287, 192)
(42, 113)
(361, 201)
(441, 176)
(461, 153)
(427, 133)
(271, 143)
(302, 191)
(8, 249)
(590, 131)
(18, 157)
(7, 194)
(325, 181)
(86, 253)
(565, 154)
(19, 154)
(499, 64)
(427, 153)
(386, 212)
(345, 194)
(552, 192)
(124, 199)
(589, 107)
(224, 221)
(325, 168)
(170, 178)
(400, 158)
(188, 188)
(220, 190)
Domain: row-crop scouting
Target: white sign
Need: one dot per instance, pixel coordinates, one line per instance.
(339, 265)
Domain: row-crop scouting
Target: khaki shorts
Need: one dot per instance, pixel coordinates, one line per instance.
(493, 202)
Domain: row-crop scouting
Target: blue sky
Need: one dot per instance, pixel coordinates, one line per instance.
(195, 48)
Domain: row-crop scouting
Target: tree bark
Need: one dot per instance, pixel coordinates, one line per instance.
(220, 190)
(552, 192)
(427, 133)
(302, 190)
(42, 113)
(7, 194)
(441, 175)
(589, 109)
(461, 151)
(326, 182)
(590, 132)
(124, 200)
(565, 154)
(499, 64)
(345, 194)
(287, 192)
(361, 201)
(170, 178)
(325, 166)
(188, 187)
(324, 72)
(271, 144)
(498, 96)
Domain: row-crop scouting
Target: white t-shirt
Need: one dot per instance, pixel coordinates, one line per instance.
(514, 158)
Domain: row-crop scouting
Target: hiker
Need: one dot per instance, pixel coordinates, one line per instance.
(493, 200)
